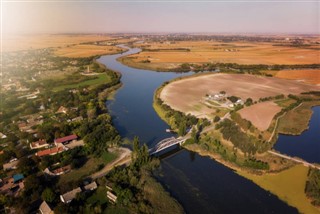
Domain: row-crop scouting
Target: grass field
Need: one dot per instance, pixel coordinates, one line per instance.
(308, 76)
(91, 166)
(185, 94)
(102, 78)
(169, 55)
(86, 50)
(297, 120)
(288, 185)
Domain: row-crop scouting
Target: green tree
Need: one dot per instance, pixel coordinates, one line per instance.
(182, 129)
(48, 195)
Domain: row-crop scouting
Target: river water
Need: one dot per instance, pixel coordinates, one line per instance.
(200, 184)
(306, 145)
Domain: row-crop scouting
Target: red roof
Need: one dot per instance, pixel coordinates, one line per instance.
(67, 138)
(51, 151)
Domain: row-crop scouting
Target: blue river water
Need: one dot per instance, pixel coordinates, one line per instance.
(200, 184)
(306, 145)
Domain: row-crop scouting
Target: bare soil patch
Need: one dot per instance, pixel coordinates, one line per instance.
(260, 114)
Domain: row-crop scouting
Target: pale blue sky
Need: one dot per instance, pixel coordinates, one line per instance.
(215, 17)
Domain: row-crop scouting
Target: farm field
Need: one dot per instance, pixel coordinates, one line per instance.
(170, 55)
(86, 50)
(260, 114)
(27, 42)
(185, 94)
(308, 76)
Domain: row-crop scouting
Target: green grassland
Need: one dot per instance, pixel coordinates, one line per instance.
(102, 78)
(288, 185)
(297, 120)
(92, 165)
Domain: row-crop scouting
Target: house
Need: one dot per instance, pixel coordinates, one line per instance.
(39, 144)
(112, 197)
(17, 178)
(92, 186)
(69, 196)
(62, 109)
(3, 136)
(45, 208)
(11, 165)
(65, 140)
(51, 151)
(77, 119)
(62, 170)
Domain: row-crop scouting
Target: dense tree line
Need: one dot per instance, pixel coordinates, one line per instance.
(177, 120)
(247, 143)
(312, 188)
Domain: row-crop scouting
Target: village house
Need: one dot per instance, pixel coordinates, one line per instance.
(92, 186)
(50, 151)
(2, 136)
(59, 171)
(11, 165)
(69, 196)
(62, 109)
(12, 185)
(39, 144)
(65, 140)
(111, 196)
(45, 208)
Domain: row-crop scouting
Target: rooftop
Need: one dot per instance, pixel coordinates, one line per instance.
(66, 138)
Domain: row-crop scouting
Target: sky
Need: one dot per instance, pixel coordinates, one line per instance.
(161, 16)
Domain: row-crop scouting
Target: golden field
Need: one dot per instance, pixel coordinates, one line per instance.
(308, 76)
(86, 50)
(27, 42)
(170, 54)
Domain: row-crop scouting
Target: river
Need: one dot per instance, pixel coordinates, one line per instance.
(306, 145)
(200, 184)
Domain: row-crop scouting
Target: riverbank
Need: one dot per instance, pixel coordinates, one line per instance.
(280, 183)
(271, 179)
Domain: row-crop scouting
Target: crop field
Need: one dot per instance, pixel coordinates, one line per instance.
(308, 76)
(86, 50)
(168, 55)
(27, 42)
(260, 114)
(185, 94)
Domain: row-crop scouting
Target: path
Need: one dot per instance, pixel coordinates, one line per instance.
(305, 163)
(124, 158)
(275, 127)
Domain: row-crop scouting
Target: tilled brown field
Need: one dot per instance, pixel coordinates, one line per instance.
(185, 94)
(260, 114)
